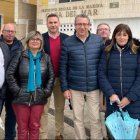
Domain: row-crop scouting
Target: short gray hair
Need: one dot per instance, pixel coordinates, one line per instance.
(82, 16)
(102, 24)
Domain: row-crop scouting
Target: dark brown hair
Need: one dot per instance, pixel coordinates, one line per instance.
(120, 28)
(52, 15)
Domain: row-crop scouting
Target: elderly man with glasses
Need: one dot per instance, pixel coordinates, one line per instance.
(103, 30)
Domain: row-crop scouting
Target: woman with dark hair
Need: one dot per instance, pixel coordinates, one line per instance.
(30, 78)
(119, 73)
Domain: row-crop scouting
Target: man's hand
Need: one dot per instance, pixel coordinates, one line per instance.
(67, 94)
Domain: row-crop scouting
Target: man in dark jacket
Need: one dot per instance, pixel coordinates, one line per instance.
(79, 60)
(103, 30)
(52, 45)
(14, 45)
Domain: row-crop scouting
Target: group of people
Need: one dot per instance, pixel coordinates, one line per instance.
(76, 67)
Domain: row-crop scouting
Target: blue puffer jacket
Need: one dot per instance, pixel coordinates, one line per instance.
(120, 74)
(79, 63)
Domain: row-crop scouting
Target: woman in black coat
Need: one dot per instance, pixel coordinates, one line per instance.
(30, 78)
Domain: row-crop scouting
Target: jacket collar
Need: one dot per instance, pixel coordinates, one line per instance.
(80, 39)
(125, 47)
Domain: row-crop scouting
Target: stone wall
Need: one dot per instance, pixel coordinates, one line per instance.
(111, 11)
(25, 18)
(7, 11)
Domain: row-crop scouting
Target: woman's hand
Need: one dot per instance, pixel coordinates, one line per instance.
(67, 94)
(124, 102)
(114, 98)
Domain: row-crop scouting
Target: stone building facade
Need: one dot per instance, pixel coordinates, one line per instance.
(31, 14)
(112, 12)
(6, 12)
(25, 17)
(20, 12)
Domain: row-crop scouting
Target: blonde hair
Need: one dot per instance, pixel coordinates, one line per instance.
(30, 36)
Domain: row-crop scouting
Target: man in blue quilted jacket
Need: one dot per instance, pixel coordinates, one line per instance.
(79, 60)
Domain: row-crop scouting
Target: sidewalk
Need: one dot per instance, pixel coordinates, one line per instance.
(68, 125)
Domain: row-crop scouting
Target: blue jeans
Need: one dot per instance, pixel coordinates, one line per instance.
(10, 120)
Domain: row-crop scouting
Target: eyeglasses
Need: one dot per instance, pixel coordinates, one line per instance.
(82, 24)
(9, 31)
(35, 39)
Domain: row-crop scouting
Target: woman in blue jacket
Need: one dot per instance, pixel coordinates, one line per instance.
(119, 72)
